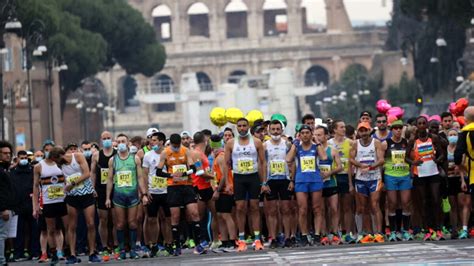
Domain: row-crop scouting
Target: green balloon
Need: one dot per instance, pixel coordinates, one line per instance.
(281, 118)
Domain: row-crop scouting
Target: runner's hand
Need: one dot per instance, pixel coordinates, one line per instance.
(145, 200)
(418, 163)
(95, 194)
(463, 186)
(215, 196)
(291, 186)
(351, 188)
(68, 188)
(108, 204)
(229, 189)
(265, 189)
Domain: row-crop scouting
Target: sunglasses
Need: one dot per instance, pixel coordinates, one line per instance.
(398, 128)
(381, 121)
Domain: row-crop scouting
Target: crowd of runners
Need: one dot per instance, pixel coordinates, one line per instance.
(243, 188)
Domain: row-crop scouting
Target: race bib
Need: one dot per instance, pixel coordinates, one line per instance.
(104, 175)
(180, 168)
(245, 165)
(55, 192)
(427, 168)
(324, 168)
(345, 164)
(75, 178)
(308, 164)
(158, 182)
(277, 167)
(398, 158)
(124, 178)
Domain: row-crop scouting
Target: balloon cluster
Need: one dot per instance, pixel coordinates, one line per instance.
(393, 113)
(457, 110)
(220, 116)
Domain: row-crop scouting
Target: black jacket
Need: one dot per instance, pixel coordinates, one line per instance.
(22, 181)
(461, 146)
(7, 193)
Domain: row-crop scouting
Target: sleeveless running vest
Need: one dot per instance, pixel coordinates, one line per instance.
(199, 181)
(307, 170)
(367, 155)
(389, 136)
(327, 166)
(52, 183)
(177, 162)
(102, 169)
(277, 167)
(424, 151)
(125, 175)
(73, 172)
(244, 158)
(344, 150)
(218, 172)
(395, 164)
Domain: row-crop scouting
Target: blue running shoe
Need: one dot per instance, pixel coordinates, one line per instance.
(73, 260)
(94, 258)
(201, 248)
(134, 255)
(123, 255)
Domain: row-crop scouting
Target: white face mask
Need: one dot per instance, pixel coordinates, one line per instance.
(133, 149)
(276, 137)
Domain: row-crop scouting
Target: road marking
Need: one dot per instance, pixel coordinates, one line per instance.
(358, 252)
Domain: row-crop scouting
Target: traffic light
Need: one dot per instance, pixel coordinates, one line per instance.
(419, 101)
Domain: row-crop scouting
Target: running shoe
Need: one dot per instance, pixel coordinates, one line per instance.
(123, 255)
(446, 233)
(288, 243)
(440, 235)
(463, 234)
(60, 255)
(274, 244)
(230, 249)
(367, 239)
(304, 241)
(43, 258)
(134, 255)
(378, 238)
(325, 241)
(399, 236)
(428, 235)
(434, 236)
(242, 246)
(146, 253)
(94, 258)
(349, 238)
(249, 240)
(54, 259)
(176, 251)
(105, 255)
(407, 236)
(471, 232)
(116, 253)
(201, 248)
(258, 245)
(392, 237)
(336, 240)
(216, 244)
(72, 260)
(420, 236)
(314, 241)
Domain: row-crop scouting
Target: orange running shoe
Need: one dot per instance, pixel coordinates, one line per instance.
(242, 246)
(258, 245)
(336, 240)
(43, 258)
(367, 239)
(325, 241)
(378, 238)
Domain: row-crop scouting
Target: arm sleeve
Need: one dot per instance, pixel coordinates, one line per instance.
(159, 172)
(461, 148)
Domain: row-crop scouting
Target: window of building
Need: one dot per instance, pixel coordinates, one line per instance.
(315, 76)
(205, 83)
(235, 76)
(236, 19)
(275, 17)
(314, 16)
(162, 22)
(162, 84)
(198, 14)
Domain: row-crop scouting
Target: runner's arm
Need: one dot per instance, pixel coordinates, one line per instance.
(337, 159)
(380, 154)
(94, 168)
(262, 163)
(145, 171)
(290, 160)
(36, 184)
(161, 164)
(140, 176)
(221, 164)
(439, 150)
(84, 167)
(408, 156)
(227, 158)
(352, 156)
(110, 178)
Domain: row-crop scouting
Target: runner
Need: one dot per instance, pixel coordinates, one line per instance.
(397, 180)
(179, 165)
(367, 157)
(228, 134)
(382, 133)
(309, 120)
(125, 180)
(157, 193)
(99, 177)
(204, 189)
(247, 157)
(307, 182)
(329, 168)
(446, 124)
(224, 197)
(344, 180)
(79, 197)
(49, 180)
(425, 153)
(365, 116)
(186, 139)
(278, 200)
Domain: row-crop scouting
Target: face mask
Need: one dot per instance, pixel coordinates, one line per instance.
(155, 147)
(175, 149)
(46, 154)
(453, 139)
(23, 162)
(276, 137)
(133, 149)
(122, 147)
(244, 133)
(38, 159)
(87, 154)
(107, 143)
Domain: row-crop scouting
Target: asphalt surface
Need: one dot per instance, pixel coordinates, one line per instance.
(455, 252)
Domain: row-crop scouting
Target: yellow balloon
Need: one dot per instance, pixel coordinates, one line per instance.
(253, 116)
(217, 116)
(233, 114)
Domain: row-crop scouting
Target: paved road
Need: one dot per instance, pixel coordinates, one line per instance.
(442, 252)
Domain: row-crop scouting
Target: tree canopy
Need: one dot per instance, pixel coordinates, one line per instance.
(93, 35)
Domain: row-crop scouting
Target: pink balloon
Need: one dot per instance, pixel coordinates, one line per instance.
(391, 118)
(382, 106)
(452, 108)
(396, 111)
(435, 117)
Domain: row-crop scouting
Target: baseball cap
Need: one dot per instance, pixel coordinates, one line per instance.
(72, 144)
(365, 125)
(366, 113)
(185, 134)
(305, 127)
(396, 123)
(151, 131)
